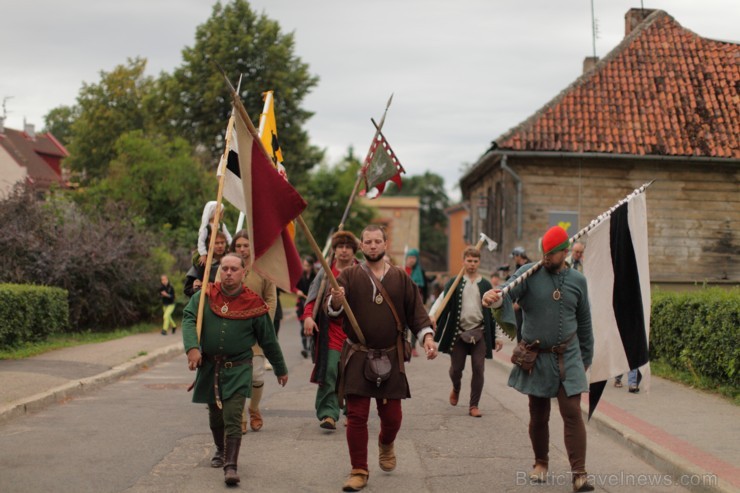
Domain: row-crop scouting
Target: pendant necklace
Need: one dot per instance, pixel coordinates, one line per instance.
(557, 294)
(225, 308)
(379, 297)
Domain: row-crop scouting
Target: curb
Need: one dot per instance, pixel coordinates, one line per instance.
(654, 454)
(73, 389)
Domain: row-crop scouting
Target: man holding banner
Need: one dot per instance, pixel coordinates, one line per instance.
(557, 331)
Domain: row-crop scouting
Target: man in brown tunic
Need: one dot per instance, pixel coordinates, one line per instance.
(359, 285)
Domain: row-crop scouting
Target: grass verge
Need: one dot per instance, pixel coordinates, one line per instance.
(59, 341)
(663, 370)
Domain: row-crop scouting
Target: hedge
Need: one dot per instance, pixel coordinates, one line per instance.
(31, 313)
(699, 332)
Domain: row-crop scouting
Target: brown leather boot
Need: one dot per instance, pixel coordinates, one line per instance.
(233, 444)
(386, 456)
(218, 439)
(356, 481)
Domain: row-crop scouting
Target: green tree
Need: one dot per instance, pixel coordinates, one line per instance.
(327, 190)
(159, 181)
(59, 122)
(433, 200)
(107, 110)
(197, 102)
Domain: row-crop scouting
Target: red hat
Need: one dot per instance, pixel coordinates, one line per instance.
(555, 239)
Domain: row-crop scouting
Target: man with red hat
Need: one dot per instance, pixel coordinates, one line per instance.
(557, 323)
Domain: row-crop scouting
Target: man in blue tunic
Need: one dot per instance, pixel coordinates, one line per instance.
(556, 314)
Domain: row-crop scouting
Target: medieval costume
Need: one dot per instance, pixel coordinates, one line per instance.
(381, 332)
(465, 328)
(556, 314)
(231, 326)
(328, 344)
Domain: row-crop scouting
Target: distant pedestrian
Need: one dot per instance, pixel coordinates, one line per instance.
(234, 320)
(167, 293)
(557, 330)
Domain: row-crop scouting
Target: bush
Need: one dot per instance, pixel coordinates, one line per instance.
(31, 313)
(698, 332)
(101, 258)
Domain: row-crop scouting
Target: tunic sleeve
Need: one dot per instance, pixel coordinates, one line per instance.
(267, 340)
(585, 330)
(189, 317)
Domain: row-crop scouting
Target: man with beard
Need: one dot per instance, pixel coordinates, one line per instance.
(557, 322)
(329, 333)
(234, 320)
(384, 300)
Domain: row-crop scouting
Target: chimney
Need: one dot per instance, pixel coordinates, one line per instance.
(634, 17)
(589, 63)
(29, 129)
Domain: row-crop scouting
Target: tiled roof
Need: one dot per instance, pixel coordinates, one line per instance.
(24, 150)
(663, 90)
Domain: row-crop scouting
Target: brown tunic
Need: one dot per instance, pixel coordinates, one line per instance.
(379, 327)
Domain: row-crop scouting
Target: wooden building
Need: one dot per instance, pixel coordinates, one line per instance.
(663, 105)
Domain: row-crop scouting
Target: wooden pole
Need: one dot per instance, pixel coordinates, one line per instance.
(363, 169)
(447, 297)
(598, 220)
(214, 229)
(331, 278)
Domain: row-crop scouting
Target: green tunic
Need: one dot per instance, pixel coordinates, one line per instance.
(552, 322)
(233, 338)
(448, 322)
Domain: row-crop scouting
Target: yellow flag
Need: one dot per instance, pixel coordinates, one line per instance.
(269, 137)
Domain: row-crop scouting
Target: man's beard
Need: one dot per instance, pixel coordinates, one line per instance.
(374, 258)
(554, 267)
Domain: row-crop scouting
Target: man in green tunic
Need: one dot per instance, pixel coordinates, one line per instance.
(556, 314)
(234, 320)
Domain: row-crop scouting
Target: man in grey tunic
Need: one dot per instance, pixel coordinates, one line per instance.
(556, 313)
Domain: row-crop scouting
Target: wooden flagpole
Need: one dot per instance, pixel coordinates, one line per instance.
(361, 174)
(214, 227)
(314, 246)
(598, 220)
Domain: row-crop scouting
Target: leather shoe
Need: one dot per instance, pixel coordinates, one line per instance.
(475, 412)
(454, 396)
(386, 456)
(539, 473)
(580, 482)
(328, 423)
(255, 420)
(356, 481)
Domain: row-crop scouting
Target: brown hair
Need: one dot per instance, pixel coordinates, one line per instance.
(242, 233)
(471, 251)
(373, 227)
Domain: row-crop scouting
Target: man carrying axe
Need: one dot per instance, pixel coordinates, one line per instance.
(465, 328)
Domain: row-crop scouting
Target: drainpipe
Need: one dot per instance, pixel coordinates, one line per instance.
(518, 181)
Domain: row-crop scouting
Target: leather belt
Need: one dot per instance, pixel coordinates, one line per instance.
(219, 362)
(559, 349)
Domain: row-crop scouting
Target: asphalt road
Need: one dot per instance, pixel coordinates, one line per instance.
(142, 434)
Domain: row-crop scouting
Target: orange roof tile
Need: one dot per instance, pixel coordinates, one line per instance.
(663, 90)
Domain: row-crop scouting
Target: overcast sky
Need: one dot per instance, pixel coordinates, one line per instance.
(463, 72)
